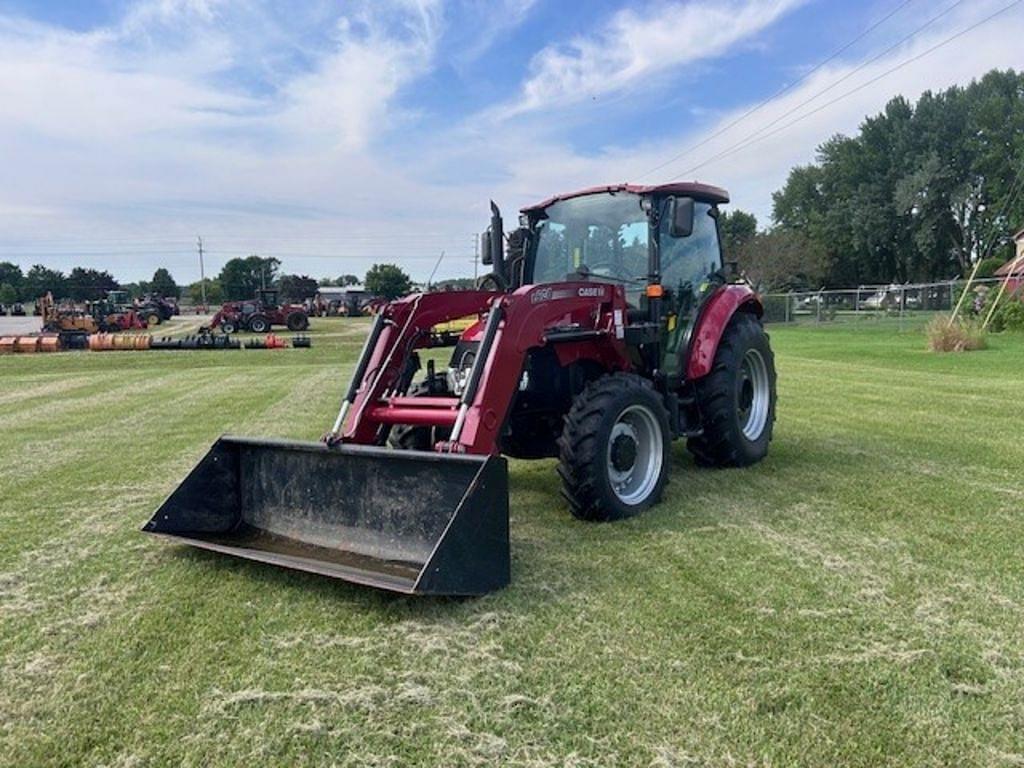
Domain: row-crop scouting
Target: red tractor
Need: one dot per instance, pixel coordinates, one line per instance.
(260, 314)
(608, 329)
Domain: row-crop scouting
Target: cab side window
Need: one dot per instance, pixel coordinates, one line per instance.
(687, 262)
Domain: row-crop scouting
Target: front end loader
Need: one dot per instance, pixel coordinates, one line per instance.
(607, 329)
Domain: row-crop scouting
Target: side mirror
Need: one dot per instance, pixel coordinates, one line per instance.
(486, 257)
(680, 216)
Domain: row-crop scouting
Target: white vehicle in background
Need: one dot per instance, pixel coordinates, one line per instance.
(878, 300)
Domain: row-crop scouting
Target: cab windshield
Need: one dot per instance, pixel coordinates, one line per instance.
(603, 236)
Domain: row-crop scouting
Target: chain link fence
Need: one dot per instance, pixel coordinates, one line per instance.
(867, 303)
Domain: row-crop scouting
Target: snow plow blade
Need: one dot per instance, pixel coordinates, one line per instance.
(407, 521)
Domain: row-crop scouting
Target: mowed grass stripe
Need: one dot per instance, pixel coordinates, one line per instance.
(58, 414)
(15, 393)
(205, 405)
(829, 606)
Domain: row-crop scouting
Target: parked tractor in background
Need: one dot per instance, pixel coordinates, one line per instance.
(117, 312)
(609, 328)
(260, 315)
(150, 309)
(156, 309)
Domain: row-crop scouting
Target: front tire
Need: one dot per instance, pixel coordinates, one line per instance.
(614, 449)
(228, 326)
(259, 324)
(737, 399)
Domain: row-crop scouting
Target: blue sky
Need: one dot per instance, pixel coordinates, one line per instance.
(337, 134)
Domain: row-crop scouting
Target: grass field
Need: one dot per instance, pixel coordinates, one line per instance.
(856, 600)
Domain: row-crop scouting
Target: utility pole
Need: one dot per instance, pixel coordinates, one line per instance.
(202, 271)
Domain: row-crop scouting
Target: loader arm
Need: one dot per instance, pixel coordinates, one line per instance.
(581, 319)
(577, 318)
(375, 399)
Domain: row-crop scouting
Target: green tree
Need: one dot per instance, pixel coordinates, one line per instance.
(921, 192)
(87, 284)
(783, 260)
(242, 278)
(163, 284)
(135, 290)
(297, 287)
(39, 280)
(738, 228)
(10, 274)
(8, 295)
(387, 281)
(214, 292)
(346, 280)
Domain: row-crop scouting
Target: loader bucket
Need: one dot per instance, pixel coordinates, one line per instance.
(407, 521)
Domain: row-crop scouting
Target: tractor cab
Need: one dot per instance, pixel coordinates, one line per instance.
(636, 236)
(118, 299)
(268, 298)
(660, 243)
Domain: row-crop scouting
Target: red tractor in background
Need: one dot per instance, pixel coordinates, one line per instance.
(608, 328)
(260, 314)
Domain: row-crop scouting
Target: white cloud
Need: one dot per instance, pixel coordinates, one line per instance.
(121, 138)
(487, 21)
(542, 163)
(348, 95)
(634, 44)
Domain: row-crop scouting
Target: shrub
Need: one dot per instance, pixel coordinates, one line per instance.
(961, 336)
(1009, 316)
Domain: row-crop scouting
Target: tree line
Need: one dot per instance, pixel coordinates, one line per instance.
(922, 192)
(240, 278)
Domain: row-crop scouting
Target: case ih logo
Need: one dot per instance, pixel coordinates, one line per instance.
(540, 295)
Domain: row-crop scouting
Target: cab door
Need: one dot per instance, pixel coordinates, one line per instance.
(687, 267)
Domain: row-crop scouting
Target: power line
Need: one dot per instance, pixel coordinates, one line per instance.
(1008, 201)
(757, 136)
(780, 92)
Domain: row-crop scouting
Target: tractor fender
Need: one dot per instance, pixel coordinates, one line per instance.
(711, 324)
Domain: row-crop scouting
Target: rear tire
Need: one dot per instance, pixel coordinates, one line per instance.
(296, 321)
(737, 399)
(614, 449)
(259, 324)
(405, 437)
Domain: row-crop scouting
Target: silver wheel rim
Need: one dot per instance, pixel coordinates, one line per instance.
(634, 455)
(754, 394)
